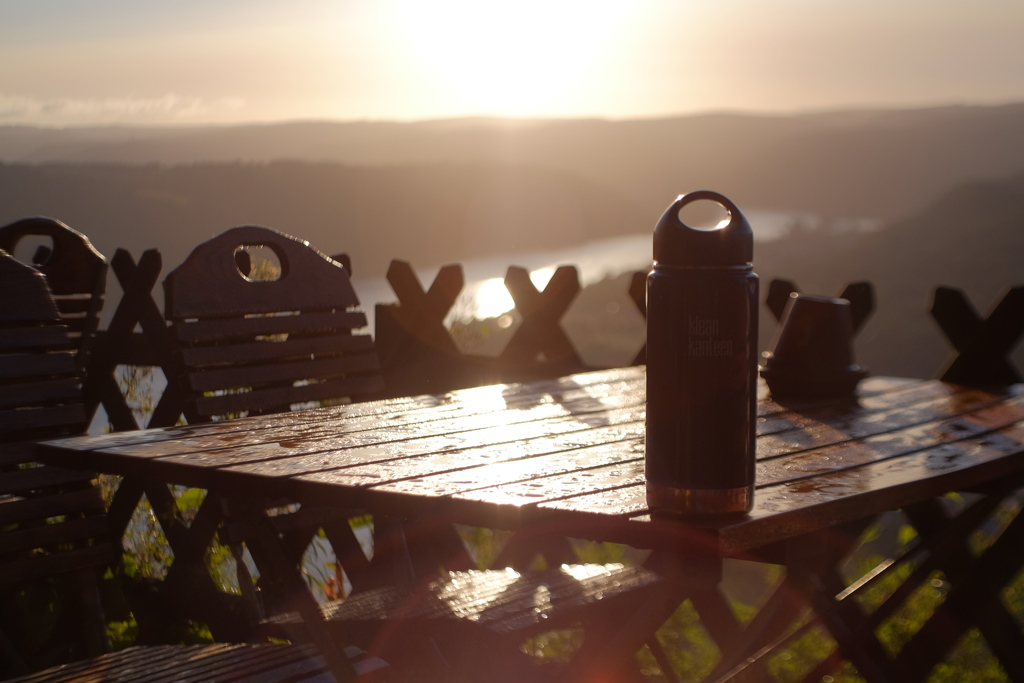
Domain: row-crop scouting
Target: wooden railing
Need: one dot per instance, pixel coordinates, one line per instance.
(417, 352)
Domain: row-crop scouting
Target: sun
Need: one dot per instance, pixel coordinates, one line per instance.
(508, 58)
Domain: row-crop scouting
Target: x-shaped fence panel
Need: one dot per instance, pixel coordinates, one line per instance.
(861, 296)
(540, 337)
(982, 344)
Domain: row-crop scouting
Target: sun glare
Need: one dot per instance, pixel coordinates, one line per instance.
(490, 298)
(508, 58)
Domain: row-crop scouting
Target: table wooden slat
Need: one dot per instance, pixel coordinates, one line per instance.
(570, 451)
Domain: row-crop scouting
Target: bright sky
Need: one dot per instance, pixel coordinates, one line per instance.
(69, 62)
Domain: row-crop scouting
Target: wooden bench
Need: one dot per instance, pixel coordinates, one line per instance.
(473, 624)
(206, 663)
(51, 519)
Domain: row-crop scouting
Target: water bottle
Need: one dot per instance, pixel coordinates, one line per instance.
(702, 297)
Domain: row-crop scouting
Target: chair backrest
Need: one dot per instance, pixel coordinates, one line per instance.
(52, 520)
(40, 394)
(249, 344)
(75, 272)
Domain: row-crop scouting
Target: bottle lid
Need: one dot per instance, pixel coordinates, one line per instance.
(729, 244)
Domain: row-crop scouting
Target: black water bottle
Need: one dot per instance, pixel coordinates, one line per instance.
(701, 364)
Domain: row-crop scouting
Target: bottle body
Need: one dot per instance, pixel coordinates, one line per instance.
(701, 388)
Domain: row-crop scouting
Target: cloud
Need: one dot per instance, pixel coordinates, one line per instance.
(168, 108)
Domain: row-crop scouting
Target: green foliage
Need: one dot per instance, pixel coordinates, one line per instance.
(804, 653)
(484, 544)
(221, 564)
(147, 552)
(324, 576)
(971, 660)
(554, 647)
(137, 386)
(690, 649)
(603, 553)
(188, 502)
(263, 264)
(122, 634)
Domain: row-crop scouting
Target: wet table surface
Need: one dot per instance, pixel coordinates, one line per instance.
(567, 455)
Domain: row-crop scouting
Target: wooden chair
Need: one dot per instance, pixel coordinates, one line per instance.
(251, 345)
(254, 336)
(75, 272)
(51, 520)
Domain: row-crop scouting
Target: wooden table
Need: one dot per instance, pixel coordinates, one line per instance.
(566, 457)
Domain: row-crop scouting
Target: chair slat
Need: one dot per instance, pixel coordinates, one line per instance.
(54, 336)
(215, 330)
(33, 304)
(201, 356)
(44, 507)
(48, 535)
(34, 364)
(40, 566)
(30, 478)
(44, 391)
(220, 378)
(282, 397)
(16, 453)
(69, 417)
(74, 307)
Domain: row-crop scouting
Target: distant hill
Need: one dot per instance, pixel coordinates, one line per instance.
(971, 237)
(427, 215)
(877, 164)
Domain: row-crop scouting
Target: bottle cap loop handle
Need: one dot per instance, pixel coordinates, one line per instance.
(678, 244)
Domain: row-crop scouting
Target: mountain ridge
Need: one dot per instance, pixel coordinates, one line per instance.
(872, 163)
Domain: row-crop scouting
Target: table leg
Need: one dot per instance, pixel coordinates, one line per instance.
(187, 592)
(610, 647)
(811, 570)
(267, 544)
(974, 597)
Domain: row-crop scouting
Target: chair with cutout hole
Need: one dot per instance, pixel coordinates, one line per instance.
(262, 323)
(75, 272)
(279, 335)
